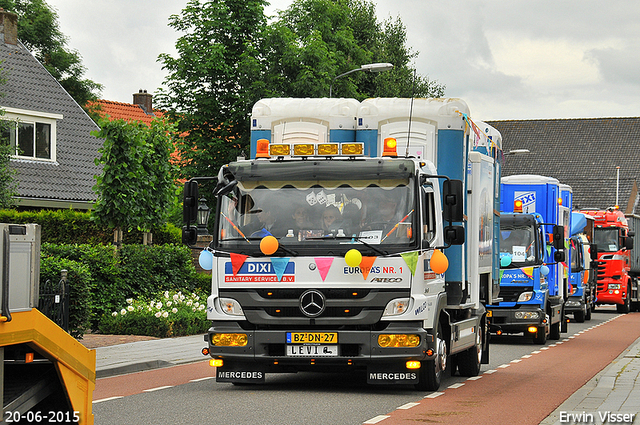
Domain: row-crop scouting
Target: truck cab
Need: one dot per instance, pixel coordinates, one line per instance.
(359, 235)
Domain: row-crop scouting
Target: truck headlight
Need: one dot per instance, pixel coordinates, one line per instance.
(525, 296)
(614, 286)
(396, 307)
(230, 306)
(529, 315)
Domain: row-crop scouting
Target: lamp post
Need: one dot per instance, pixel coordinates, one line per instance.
(203, 217)
(371, 67)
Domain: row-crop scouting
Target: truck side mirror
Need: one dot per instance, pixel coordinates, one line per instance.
(558, 237)
(593, 252)
(454, 235)
(628, 242)
(190, 202)
(189, 212)
(452, 200)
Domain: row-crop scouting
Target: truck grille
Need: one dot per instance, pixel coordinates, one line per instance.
(341, 306)
(511, 293)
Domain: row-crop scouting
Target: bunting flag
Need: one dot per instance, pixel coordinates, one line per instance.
(528, 271)
(500, 275)
(279, 266)
(323, 264)
(411, 258)
(237, 260)
(365, 266)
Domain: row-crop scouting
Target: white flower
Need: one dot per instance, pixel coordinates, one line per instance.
(129, 300)
(159, 305)
(194, 309)
(169, 303)
(165, 314)
(130, 308)
(197, 304)
(174, 310)
(176, 296)
(189, 303)
(115, 313)
(123, 311)
(201, 307)
(166, 294)
(158, 314)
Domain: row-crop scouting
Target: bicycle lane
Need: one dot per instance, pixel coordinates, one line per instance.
(527, 389)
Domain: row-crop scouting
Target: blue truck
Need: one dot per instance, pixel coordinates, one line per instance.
(582, 268)
(534, 232)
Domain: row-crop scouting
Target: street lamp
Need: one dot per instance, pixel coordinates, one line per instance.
(371, 67)
(203, 217)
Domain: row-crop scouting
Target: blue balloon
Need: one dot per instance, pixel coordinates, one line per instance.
(505, 260)
(544, 270)
(206, 259)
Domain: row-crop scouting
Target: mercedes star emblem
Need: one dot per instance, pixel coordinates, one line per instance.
(312, 303)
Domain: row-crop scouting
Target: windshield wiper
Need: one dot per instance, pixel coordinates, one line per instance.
(368, 245)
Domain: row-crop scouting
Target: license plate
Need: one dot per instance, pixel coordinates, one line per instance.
(312, 350)
(312, 337)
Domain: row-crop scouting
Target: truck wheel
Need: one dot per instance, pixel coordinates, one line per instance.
(579, 316)
(624, 308)
(541, 335)
(469, 361)
(554, 332)
(430, 375)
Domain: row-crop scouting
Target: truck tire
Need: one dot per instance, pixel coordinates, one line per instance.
(469, 361)
(541, 335)
(624, 308)
(430, 375)
(579, 316)
(554, 331)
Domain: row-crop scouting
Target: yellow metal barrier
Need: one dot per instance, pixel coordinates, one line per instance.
(75, 363)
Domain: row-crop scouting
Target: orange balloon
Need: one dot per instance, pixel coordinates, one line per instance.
(268, 245)
(439, 262)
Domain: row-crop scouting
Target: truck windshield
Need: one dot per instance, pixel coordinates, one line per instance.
(519, 243)
(319, 217)
(607, 239)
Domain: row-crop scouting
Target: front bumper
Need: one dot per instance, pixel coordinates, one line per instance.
(266, 352)
(514, 320)
(574, 304)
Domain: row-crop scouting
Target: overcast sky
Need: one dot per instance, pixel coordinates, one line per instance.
(508, 59)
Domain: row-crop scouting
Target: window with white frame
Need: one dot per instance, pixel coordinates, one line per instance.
(31, 134)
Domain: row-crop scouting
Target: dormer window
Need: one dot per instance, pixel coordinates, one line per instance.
(31, 134)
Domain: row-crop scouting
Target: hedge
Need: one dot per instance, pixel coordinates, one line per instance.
(75, 227)
(133, 271)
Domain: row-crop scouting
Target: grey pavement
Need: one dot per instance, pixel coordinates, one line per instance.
(144, 355)
(610, 395)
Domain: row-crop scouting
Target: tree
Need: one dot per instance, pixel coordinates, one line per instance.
(135, 188)
(313, 41)
(230, 57)
(39, 31)
(206, 84)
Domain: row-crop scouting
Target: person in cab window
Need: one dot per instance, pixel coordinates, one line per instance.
(331, 217)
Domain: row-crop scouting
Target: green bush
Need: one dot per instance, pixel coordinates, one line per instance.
(76, 227)
(168, 314)
(135, 271)
(78, 278)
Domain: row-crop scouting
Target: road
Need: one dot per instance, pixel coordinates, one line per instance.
(186, 394)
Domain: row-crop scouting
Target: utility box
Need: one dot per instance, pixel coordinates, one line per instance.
(22, 257)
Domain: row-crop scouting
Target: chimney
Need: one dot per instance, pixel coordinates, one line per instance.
(9, 27)
(144, 99)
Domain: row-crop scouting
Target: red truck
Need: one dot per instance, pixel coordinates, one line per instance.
(617, 282)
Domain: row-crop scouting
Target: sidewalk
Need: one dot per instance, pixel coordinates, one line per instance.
(145, 354)
(615, 390)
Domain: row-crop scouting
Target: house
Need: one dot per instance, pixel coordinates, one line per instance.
(583, 153)
(51, 133)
